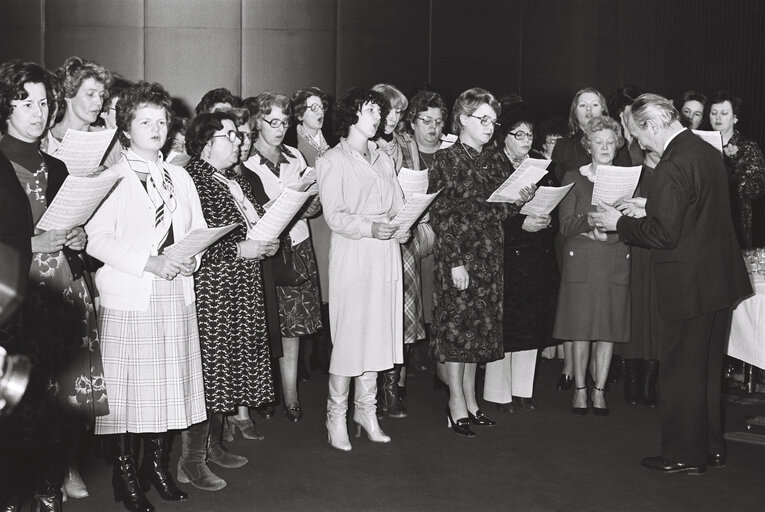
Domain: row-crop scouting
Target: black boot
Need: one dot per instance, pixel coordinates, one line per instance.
(631, 371)
(124, 478)
(47, 497)
(156, 456)
(648, 375)
(391, 403)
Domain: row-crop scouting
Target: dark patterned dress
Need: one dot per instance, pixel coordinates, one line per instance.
(467, 324)
(230, 306)
(746, 175)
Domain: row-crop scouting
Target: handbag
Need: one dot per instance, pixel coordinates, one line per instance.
(289, 267)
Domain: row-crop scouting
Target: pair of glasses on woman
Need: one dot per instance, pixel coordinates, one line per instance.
(315, 108)
(520, 135)
(429, 121)
(276, 123)
(232, 136)
(487, 120)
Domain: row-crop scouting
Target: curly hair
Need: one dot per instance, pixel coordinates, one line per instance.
(14, 74)
(263, 104)
(597, 124)
(300, 98)
(573, 122)
(421, 102)
(468, 102)
(202, 128)
(75, 70)
(347, 110)
(139, 95)
(211, 97)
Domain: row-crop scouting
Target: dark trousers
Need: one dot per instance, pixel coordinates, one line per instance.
(690, 377)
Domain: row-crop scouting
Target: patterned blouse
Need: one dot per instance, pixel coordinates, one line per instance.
(746, 175)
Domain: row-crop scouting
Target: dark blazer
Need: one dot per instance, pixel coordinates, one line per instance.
(694, 252)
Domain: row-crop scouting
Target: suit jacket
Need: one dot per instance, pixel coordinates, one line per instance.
(16, 225)
(695, 256)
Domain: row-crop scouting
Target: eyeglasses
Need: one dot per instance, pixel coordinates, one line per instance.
(315, 108)
(428, 121)
(231, 135)
(487, 120)
(276, 123)
(520, 135)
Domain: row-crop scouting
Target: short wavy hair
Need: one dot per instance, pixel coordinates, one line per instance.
(421, 102)
(202, 128)
(597, 124)
(263, 104)
(300, 98)
(692, 95)
(347, 110)
(139, 95)
(75, 70)
(468, 102)
(14, 74)
(395, 97)
(213, 96)
(652, 107)
(721, 96)
(573, 122)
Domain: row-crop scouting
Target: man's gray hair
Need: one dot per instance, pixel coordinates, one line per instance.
(655, 108)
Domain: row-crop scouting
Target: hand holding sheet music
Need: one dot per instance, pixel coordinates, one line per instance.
(76, 201)
(613, 183)
(545, 200)
(196, 241)
(412, 210)
(528, 173)
(279, 215)
(82, 152)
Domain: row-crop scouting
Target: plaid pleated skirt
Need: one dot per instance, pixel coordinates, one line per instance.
(152, 364)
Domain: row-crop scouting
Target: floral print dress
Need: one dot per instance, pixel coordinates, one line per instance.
(746, 175)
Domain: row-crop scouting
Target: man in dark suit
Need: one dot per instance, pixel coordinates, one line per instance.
(699, 274)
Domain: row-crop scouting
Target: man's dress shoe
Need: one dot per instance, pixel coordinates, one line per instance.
(670, 466)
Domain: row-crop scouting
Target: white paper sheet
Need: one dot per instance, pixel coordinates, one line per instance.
(279, 215)
(413, 182)
(712, 137)
(447, 140)
(76, 201)
(82, 152)
(613, 183)
(196, 241)
(545, 200)
(528, 173)
(412, 210)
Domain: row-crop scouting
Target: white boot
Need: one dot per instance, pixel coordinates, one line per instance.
(365, 413)
(337, 409)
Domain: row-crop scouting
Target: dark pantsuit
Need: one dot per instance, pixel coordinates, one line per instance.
(691, 380)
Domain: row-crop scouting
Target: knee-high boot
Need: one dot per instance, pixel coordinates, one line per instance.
(364, 414)
(391, 402)
(218, 453)
(631, 371)
(47, 495)
(649, 374)
(154, 471)
(192, 466)
(337, 410)
(125, 448)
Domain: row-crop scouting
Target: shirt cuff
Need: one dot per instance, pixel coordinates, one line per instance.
(365, 228)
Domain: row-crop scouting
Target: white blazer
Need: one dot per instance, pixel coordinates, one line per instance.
(121, 234)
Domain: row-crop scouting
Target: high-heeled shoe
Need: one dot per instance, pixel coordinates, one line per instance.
(564, 382)
(293, 413)
(370, 425)
(461, 426)
(580, 411)
(246, 427)
(480, 419)
(597, 408)
(266, 411)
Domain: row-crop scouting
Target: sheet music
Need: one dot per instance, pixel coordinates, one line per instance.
(82, 152)
(308, 175)
(279, 215)
(712, 137)
(528, 173)
(447, 140)
(413, 182)
(76, 201)
(545, 200)
(196, 241)
(412, 210)
(613, 183)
